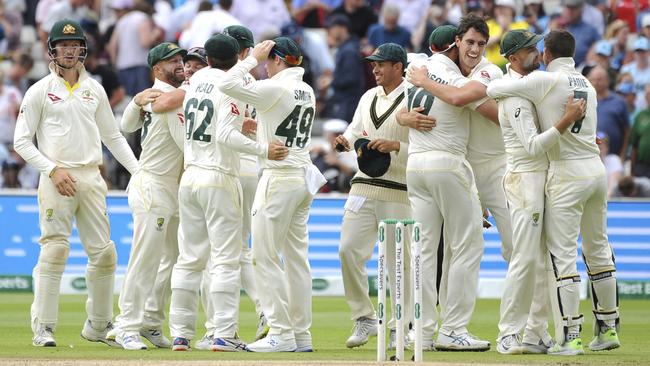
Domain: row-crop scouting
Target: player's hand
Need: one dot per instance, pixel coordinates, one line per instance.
(383, 145)
(575, 109)
(146, 96)
(261, 50)
(343, 142)
(277, 151)
(249, 127)
(64, 182)
(417, 75)
(415, 119)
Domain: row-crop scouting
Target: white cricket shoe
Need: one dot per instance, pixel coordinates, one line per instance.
(392, 340)
(303, 342)
(510, 345)
(130, 342)
(44, 337)
(156, 337)
(273, 343)
(91, 334)
(262, 328)
(205, 343)
(362, 330)
(538, 346)
(460, 342)
(222, 344)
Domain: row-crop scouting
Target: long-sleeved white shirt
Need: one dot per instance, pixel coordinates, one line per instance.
(285, 108)
(161, 137)
(549, 92)
(525, 146)
(70, 123)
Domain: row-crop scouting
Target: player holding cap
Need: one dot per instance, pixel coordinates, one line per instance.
(576, 196)
(70, 115)
(286, 109)
(153, 198)
(527, 164)
(376, 197)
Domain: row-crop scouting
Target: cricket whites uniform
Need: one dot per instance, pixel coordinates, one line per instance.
(524, 303)
(441, 188)
(486, 156)
(70, 123)
(285, 111)
(374, 199)
(153, 198)
(576, 194)
(210, 207)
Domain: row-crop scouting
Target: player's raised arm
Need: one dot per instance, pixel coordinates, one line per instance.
(456, 96)
(169, 101)
(532, 87)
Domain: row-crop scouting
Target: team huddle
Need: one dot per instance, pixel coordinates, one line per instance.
(207, 128)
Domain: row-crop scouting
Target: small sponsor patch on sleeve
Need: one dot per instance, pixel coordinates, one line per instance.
(181, 118)
(485, 74)
(233, 109)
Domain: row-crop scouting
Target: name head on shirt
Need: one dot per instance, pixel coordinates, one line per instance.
(302, 95)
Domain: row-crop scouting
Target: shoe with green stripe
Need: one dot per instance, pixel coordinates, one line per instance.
(605, 341)
(571, 348)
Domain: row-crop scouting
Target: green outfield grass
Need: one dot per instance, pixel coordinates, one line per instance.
(331, 327)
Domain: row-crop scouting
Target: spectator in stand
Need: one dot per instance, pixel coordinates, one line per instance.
(347, 83)
(360, 15)
(63, 9)
(183, 16)
(602, 57)
(585, 34)
(617, 33)
(11, 24)
(390, 31)
(21, 65)
(645, 26)
(625, 89)
(264, 18)
(591, 14)
(413, 12)
(613, 118)
(503, 21)
(337, 168)
(640, 141)
(632, 187)
(313, 13)
(612, 162)
(436, 16)
(640, 70)
(207, 22)
(105, 75)
(10, 170)
(535, 16)
(10, 99)
(134, 34)
(321, 63)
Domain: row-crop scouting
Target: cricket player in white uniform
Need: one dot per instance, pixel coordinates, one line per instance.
(441, 188)
(210, 216)
(524, 186)
(70, 115)
(153, 198)
(286, 108)
(376, 198)
(576, 196)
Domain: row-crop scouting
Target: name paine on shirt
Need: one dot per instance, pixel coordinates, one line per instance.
(577, 82)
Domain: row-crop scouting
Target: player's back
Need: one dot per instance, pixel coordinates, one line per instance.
(451, 132)
(205, 109)
(289, 119)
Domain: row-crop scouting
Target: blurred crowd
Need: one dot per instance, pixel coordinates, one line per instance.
(612, 39)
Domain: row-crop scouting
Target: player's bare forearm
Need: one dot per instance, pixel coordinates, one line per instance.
(489, 110)
(383, 145)
(169, 101)
(415, 119)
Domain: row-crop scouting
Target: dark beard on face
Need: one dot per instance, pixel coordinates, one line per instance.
(174, 79)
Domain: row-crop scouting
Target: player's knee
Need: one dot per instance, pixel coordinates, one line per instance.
(229, 279)
(54, 253)
(105, 258)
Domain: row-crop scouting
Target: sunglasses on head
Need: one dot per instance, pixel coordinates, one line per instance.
(290, 59)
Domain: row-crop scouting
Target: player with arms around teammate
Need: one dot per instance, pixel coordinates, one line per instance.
(153, 198)
(210, 202)
(285, 106)
(576, 196)
(375, 198)
(70, 115)
(527, 165)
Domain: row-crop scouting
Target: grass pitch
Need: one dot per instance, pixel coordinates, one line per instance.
(331, 327)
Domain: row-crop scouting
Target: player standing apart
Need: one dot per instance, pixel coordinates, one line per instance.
(286, 108)
(70, 115)
(373, 199)
(576, 196)
(153, 198)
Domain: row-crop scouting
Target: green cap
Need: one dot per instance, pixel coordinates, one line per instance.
(389, 52)
(516, 40)
(442, 36)
(287, 49)
(221, 47)
(162, 52)
(65, 29)
(243, 35)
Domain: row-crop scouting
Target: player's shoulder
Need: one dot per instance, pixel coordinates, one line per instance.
(486, 71)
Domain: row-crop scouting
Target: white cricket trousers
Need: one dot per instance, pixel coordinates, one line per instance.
(488, 176)
(56, 212)
(210, 228)
(441, 189)
(524, 303)
(576, 203)
(280, 240)
(358, 239)
(154, 201)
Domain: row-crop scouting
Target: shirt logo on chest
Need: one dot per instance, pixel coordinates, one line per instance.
(53, 98)
(86, 95)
